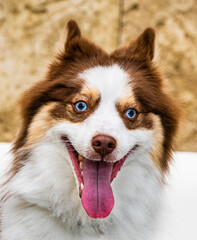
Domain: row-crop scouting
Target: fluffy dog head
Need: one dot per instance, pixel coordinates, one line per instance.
(102, 109)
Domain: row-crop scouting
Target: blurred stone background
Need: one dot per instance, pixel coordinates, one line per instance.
(31, 29)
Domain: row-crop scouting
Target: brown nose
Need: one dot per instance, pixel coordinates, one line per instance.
(103, 144)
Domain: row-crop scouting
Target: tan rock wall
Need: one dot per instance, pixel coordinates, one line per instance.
(30, 29)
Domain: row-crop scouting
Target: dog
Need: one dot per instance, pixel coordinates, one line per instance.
(93, 148)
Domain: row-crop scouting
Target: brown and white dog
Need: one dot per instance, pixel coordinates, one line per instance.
(93, 147)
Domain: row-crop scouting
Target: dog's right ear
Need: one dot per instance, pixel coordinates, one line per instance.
(73, 32)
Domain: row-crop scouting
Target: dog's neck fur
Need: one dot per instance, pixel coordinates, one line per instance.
(45, 192)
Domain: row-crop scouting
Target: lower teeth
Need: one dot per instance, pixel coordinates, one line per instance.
(80, 165)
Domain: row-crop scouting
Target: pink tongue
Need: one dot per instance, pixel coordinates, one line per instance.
(97, 197)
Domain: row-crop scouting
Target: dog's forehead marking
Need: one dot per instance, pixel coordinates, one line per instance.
(110, 81)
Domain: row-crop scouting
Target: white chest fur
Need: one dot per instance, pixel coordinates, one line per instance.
(45, 202)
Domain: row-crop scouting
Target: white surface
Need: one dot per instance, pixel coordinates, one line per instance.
(180, 221)
(4, 148)
(180, 215)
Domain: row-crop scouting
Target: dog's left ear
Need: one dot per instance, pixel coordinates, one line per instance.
(76, 46)
(144, 45)
(73, 32)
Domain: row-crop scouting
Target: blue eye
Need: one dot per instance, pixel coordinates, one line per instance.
(81, 106)
(131, 113)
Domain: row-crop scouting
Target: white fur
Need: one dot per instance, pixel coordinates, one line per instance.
(44, 202)
(111, 82)
(46, 205)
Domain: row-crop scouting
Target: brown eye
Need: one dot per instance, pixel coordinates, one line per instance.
(80, 106)
(131, 113)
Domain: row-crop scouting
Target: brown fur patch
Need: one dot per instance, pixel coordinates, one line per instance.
(149, 92)
(40, 94)
(66, 110)
(158, 134)
(142, 119)
(40, 124)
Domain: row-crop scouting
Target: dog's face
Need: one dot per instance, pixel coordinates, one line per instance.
(103, 108)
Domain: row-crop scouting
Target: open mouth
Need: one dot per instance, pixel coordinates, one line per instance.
(95, 179)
